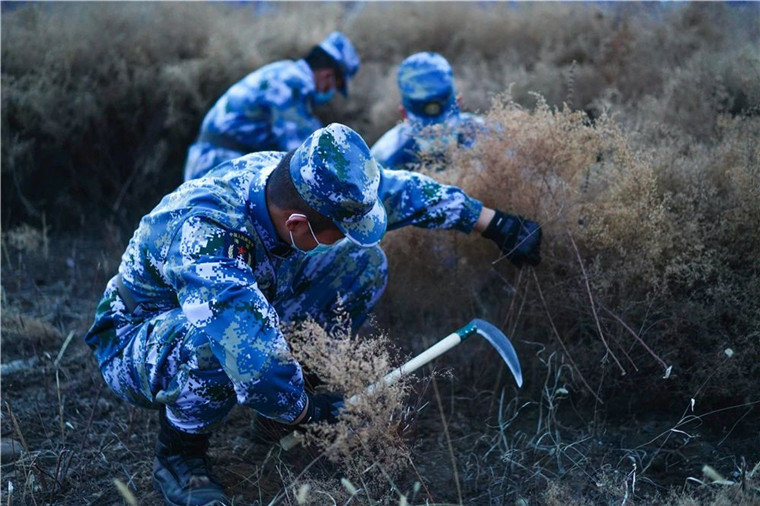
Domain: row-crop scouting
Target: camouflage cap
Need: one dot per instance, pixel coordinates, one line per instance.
(337, 177)
(343, 52)
(426, 84)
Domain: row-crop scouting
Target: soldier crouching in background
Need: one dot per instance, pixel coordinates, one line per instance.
(272, 108)
(432, 119)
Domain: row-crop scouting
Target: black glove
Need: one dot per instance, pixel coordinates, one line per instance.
(517, 238)
(323, 408)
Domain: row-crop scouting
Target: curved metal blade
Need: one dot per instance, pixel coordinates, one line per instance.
(503, 345)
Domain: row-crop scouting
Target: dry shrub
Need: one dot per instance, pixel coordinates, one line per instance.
(646, 252)
(535, 164)
(27, 336)
(101, 100)
(367, 444)
(701, 91)
(84, 94)
(28, 239)
(744, 490)
(559, 494)
(711, 271)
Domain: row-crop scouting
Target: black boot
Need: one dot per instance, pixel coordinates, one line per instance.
(181, 470)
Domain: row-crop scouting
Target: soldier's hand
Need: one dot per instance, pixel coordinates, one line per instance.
(323, 407)
(518, 238)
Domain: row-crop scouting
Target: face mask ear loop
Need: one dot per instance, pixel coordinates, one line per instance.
(313, 234)
(311, 230)
(290, 232)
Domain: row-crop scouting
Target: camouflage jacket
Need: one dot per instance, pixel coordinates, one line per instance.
(268, 110)
(210, 248)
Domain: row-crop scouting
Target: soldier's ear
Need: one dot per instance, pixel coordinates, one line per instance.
(296, 220)
(402, 112)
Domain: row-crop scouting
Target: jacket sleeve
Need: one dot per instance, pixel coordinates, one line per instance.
(218, 294)
(292, 123)
(292, 117)
(396, 148)
(411, 198)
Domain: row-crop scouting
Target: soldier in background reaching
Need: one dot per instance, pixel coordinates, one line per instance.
(271, 109)
(432, 120)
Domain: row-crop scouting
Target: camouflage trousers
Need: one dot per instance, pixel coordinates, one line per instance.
(163, 362)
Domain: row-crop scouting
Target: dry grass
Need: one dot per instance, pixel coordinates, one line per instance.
(129, 83)
(368, 444)
(630, 236)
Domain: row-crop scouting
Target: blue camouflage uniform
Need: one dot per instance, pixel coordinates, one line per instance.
(271, 109)
(434, 121)
(211, 283)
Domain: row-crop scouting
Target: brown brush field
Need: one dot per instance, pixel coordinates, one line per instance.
(630, 131)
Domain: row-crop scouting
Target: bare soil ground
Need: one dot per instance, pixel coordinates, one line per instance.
(81, 445)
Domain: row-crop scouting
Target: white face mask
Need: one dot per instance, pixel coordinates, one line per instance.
(319, 248)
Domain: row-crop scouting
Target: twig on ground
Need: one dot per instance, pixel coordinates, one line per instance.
(625, 353)
(514, 326)
(591, 300)
(636, 336)
(685, 419)
(61, 422)
(16, 428)
(420, 480)
(125, 492)
(448, 439)
(86, 432)
(561, 342)
(64, 346)
(293, 482)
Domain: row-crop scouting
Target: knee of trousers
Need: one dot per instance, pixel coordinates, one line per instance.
(198, 393)
(362, 290)
(359, 274)
(376, 269)
(348, 278)
(167, 361)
